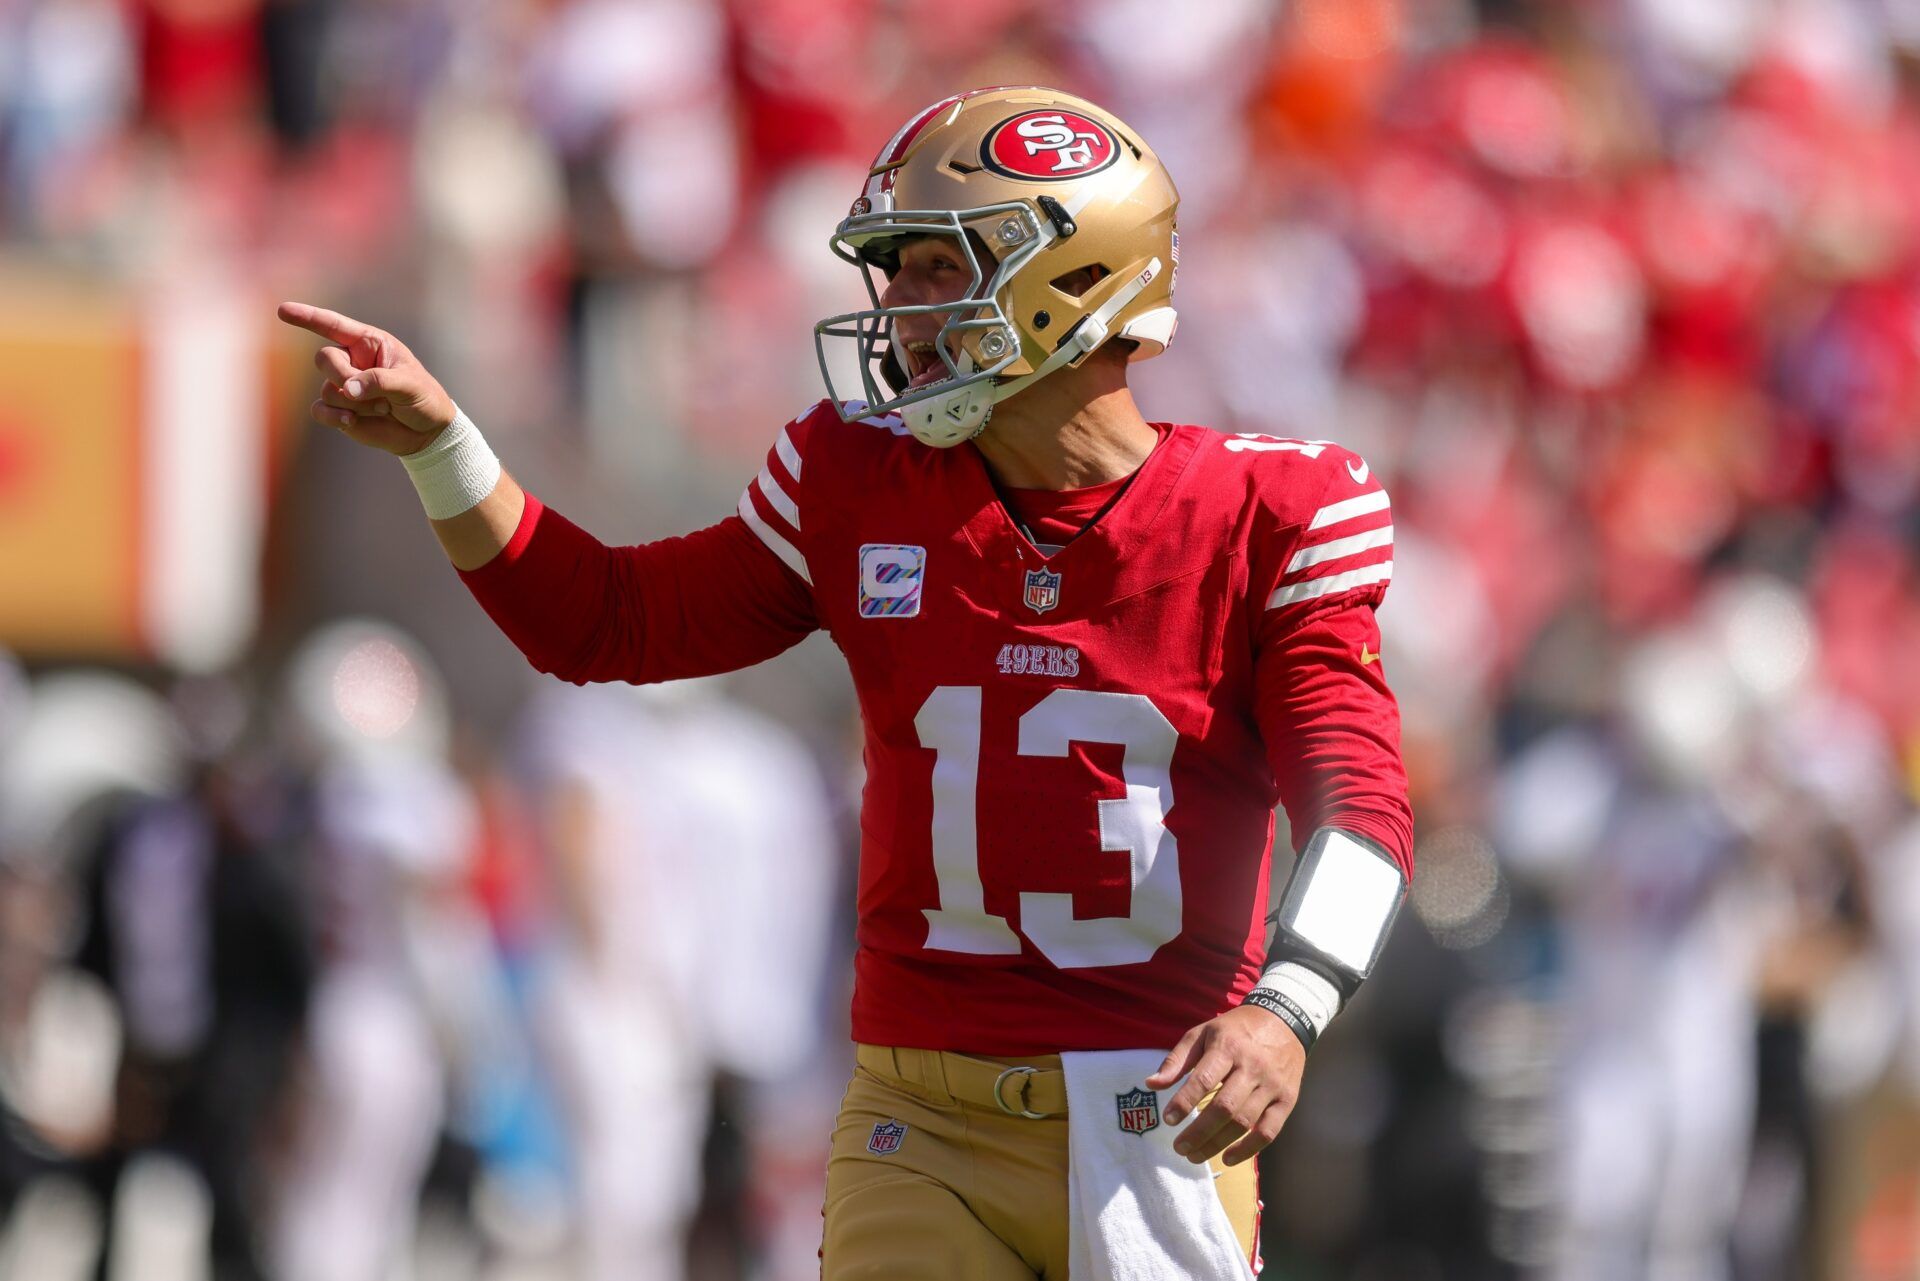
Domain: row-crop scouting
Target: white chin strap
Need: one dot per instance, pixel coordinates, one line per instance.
(959, 414)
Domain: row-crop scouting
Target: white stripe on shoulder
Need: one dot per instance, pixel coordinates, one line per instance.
(890, 421)
(1348, 508)
(783, 446)
(1314, 588)
(1332, 549)
(772, 538)
(778, 497)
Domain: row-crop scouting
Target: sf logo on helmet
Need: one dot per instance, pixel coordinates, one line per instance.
(1049, 146)
(1050, 133)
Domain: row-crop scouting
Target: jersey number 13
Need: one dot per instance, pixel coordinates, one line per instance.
(1133, 825)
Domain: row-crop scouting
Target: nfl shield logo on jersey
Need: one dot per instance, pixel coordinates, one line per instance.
(1139, 1111)
(886, 1138)
(1043, 590)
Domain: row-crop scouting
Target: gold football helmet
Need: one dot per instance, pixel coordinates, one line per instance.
(1035, 187)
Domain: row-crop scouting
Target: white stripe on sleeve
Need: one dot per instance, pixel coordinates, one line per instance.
(772, 538)
(1348, 508)
(778, 498)
(783, 445)
(1335, 548)
(1313, 588)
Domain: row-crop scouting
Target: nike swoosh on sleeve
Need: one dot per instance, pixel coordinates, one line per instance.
(1360, 476)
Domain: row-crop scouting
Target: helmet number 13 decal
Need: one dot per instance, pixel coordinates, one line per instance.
(1133, 825)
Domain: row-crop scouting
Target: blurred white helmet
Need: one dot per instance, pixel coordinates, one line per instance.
(1682, 706)
(1766, 637)
(79, 737)
(361, 688)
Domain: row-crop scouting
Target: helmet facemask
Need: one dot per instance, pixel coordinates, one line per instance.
(977, 341)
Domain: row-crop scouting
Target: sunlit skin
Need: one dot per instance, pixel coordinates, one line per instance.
(1074, 428)
(376, 393)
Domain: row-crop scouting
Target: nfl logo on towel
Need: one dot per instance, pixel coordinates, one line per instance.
(886, 1138)
(891, 575)
(1139, 1111)
(1043, 590)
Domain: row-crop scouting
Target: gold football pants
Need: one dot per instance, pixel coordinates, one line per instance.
(930, 1180)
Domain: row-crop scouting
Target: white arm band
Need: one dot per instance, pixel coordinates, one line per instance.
(1311, 993)
(1339, 907)
(456, 471)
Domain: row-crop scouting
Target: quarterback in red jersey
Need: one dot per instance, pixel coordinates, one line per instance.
(1091, 654)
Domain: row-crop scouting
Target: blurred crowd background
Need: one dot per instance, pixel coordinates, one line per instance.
(334, 943)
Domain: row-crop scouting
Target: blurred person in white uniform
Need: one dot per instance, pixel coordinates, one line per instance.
(1655, 1072)
(77, 749)
(1656, 839)
(695, 865)
(403, 953)
(196, 922)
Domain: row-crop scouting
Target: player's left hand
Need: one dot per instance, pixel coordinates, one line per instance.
(1256, 1062)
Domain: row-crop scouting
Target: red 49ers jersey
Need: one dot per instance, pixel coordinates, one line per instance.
(1071, 765)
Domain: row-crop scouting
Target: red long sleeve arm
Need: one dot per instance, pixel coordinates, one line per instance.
(711, 601)
(1332, 727)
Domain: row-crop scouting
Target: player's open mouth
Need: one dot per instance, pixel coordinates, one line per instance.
(924, 364)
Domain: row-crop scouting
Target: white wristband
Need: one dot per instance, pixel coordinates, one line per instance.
(1313, 993)
(456, 471)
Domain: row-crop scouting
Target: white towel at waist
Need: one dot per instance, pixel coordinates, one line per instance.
(1140, 1210)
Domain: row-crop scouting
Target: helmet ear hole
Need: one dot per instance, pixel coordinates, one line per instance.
(1075, 283)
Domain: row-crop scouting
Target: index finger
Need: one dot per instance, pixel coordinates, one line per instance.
(1210, 1071)
(328, 324)
(1183, 1056)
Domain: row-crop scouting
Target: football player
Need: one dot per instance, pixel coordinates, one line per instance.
(1091, 654)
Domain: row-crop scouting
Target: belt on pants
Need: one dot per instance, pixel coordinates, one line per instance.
(1017, 1089)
